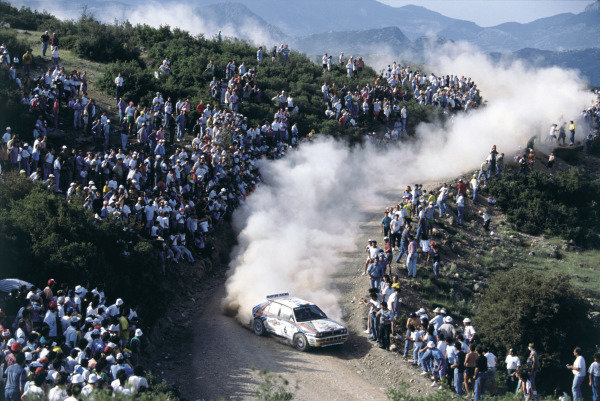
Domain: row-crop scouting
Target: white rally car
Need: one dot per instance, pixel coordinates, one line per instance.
(299, 321)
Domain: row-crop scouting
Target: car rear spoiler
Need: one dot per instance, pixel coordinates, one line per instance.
(284, 294)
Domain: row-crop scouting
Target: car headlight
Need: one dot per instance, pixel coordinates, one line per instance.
(344, 331)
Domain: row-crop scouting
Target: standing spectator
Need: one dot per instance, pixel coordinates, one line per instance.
(513, 362)
(15, 379)
(53, 41)
(118, 86)
(385, 325)
(533, 361)
(259, 55)
(486, 220)
(374, 306)
(594, 372)
(434, 255)
(457, 361)
(45, 39)
(27, 60)
(492, 360)
(411, 259)
(460, 208)
(572, 133)
(578, 368)
(55, 58)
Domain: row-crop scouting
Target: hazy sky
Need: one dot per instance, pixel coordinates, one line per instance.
(494, 12)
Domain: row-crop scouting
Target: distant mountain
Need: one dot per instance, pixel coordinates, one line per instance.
(235, 19)
(389, 40)
(559, 32)
(305, 17)
(586, 60)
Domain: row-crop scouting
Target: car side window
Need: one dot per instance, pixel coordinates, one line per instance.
(273, 308)
(285, 313)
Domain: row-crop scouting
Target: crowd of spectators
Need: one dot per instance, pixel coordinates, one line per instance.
(174, 189)
(64, 343)
(452, 355)
(385, 99)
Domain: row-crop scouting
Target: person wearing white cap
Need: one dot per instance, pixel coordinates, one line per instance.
(7, 135)
(469, 330)
(438, 320)
(58, 392)
(121, 364)
(77, 379)
(79, 295)
(91, 385)
(447, 328)
(114, 309)
(135, 345)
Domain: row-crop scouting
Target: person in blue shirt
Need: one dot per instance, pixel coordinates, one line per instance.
(376, 271)
(385, 224)
(15, 379)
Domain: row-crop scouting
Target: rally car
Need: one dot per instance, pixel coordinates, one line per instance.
(299, 321)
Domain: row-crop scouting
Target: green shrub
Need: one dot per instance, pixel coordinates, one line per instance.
(564, 204)
(43, 236)
(25, 18)
(522, 307)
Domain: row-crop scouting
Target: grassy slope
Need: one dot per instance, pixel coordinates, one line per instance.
(472, 255)
(71, 62)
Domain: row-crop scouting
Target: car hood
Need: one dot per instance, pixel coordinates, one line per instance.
(323, 325)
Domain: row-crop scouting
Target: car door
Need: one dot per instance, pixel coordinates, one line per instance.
(272, 320)
(287, 327)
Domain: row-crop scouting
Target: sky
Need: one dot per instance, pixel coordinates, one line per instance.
(494, 12)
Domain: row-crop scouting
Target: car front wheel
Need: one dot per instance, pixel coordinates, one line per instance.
(300, 342)
(258, 327)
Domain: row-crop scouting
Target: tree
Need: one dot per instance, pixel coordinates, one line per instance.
(522, 307)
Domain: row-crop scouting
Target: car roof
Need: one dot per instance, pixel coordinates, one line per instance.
(291, 302)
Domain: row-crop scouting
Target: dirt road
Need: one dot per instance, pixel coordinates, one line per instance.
(209, 355)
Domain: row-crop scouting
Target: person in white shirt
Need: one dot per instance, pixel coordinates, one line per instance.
(118, 85)
(138, 380)
(513, 362)
(594, 372)
(58, 392)
(7, 135)
(492, 360)
(579, 371)
(469, 330)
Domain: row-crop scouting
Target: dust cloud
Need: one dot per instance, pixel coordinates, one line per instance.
(294, 228)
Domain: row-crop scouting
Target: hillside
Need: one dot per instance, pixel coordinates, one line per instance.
(544, 227)
(388, 40)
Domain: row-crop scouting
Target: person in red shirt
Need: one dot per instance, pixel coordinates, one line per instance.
(462, 188)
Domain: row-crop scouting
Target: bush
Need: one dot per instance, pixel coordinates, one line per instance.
(564, 204)
(43, 236)
(522, 307)
(25, 18)
(102, 42)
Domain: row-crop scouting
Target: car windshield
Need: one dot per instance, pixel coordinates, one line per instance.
(309, 312)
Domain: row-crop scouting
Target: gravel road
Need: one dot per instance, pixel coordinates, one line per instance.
(209, 355)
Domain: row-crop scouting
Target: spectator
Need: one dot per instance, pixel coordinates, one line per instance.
(579, 369)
